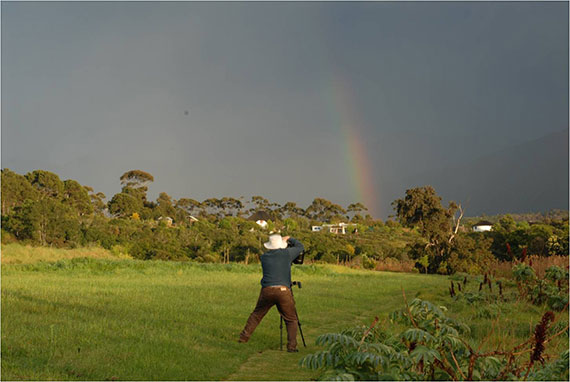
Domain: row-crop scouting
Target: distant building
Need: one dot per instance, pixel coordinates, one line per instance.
(261, 218)
(339, 228)
(482, 226)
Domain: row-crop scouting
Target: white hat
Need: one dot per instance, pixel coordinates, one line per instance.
(275, 242)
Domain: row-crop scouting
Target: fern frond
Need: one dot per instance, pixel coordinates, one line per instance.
(332, 338)
(423, 353)
(361, 358)
(418, 335)
(453, 342)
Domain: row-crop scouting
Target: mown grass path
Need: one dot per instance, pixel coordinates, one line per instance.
(94, 319)
(333, 303)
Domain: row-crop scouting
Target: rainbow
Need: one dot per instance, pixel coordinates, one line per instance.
(359, 166)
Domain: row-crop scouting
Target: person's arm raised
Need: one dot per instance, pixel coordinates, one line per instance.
(295, 249)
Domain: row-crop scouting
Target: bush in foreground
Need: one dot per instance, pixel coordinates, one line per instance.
(431, 346)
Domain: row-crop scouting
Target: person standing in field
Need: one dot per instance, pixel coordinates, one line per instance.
(276, 287)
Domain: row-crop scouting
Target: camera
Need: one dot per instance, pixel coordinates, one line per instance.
(300, 259)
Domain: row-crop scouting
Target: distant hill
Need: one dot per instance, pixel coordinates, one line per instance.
(532, 176)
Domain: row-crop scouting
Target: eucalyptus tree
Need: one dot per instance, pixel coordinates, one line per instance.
(124, 204)
(165, 206)
(421, 208)
(135, 183)
(213, 206)
(97, 200)
(188, 207)
(324, 210)
(136, 179)
(356, 209)
(15, 190)
(260, 204)
(47, 183)
(227, 237)
(231, 206)
(291, 210)
(76, 196)
(46, 221)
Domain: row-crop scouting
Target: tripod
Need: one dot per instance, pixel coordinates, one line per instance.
(298, 283)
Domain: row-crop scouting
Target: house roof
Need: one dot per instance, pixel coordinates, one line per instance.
(482, 222)
(260, 215)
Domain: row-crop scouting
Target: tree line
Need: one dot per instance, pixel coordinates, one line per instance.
(446, 247)
(41, 209)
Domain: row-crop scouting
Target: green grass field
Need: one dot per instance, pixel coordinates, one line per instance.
(119, 319)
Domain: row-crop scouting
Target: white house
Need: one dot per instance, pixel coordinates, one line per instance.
(482, 226)
(333, 228)
(261, 218)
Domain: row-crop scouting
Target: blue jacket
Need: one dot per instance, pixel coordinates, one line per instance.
(276, 264)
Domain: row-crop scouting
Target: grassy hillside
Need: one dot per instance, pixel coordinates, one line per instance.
(26, 254)
(109, 319)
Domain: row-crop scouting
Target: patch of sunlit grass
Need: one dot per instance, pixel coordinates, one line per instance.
(108, 318)
(27, 254)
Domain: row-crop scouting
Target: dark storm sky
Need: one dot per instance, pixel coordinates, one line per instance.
(91, 90)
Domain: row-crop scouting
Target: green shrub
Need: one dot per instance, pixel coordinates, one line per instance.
(552, 290)
(431, 346)
(368, 263)
(555, 273)
(523, 273)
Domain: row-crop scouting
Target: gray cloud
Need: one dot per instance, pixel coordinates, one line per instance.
(90, 90)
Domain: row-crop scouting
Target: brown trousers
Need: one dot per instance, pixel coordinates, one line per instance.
(269, 296)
